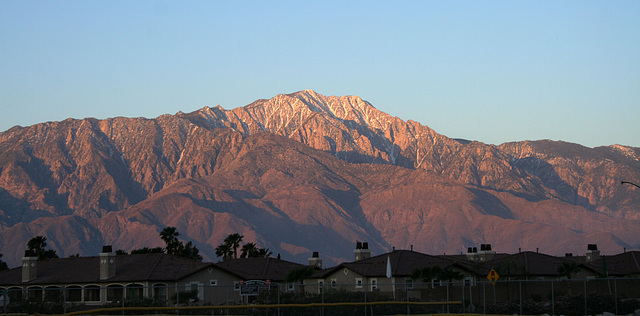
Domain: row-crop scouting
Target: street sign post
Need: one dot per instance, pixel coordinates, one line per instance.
(493, 276)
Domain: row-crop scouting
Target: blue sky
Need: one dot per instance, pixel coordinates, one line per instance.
(490, 71)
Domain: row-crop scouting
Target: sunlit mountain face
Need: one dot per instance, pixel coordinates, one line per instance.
(305, 172)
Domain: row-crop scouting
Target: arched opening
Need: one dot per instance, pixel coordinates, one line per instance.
(91, 293)
(160, 292)
(34, 294)
(134, 292)
(52, 294)
(115, 292)
(73, 293)
(15, 294)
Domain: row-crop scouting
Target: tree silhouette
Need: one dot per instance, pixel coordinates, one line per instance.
(234, 240)
(170, 237)
(299, 274)
(146, 250)
(264, 253)
(37, 245)
(566, 270)
(449, 274)
(426, 274)
(3, 265)
(224, 251)
(249, 250)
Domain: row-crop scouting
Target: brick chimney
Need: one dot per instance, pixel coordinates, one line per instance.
(315, 261)
(592, 252)
(29, 266)
(107, 263)
(362, 251)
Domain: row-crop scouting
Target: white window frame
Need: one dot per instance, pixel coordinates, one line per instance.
(358, 283)
(374, 283)
(408, 283)
(199, 287)
(213, 282)
(334, 283)
(291, 286)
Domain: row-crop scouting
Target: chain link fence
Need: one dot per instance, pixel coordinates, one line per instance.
(620, 296)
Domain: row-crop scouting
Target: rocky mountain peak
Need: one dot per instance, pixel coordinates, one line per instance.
(304, 171)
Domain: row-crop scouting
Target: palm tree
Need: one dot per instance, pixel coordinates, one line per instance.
(299, 274)
(566, 269)
(249, 250)
(450, 274)
(170, 236)
(37, 245)
(233, 240)
(224, 251)
(426, 274)
(264, 253)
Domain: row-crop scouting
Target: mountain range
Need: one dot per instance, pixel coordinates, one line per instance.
(304, 172)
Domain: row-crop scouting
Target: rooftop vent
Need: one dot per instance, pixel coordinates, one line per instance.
(592, 247)
(107, 249)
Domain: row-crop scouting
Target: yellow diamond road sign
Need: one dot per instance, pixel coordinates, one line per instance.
(493, 276)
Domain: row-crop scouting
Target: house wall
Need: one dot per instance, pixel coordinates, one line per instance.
(215, 286)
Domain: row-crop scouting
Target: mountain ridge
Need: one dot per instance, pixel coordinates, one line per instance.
(84, 183)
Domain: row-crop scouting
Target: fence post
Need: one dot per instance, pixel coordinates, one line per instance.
(553, 300)
(520, 283)
(615, 292)
(463, 309)
(448, 299)
(484, 297)
(365, 300)
(406, 291)
(585, 297)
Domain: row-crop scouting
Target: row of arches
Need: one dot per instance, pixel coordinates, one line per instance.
(87, 293)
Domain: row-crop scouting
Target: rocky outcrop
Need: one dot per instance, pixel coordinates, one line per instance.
(305, 172)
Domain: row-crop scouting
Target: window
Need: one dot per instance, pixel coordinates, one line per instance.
(236, 285)
(52, 294)
(334, 282)
(91, 293)
(291, 286)
(74, 293)
(160, 292)
(436, 283)
(195, 287)
(15, 294)
(115, 292)
(34, 294)
(358, 283)
(374, 284)
(408, 283)
(213, 282)
(134, 292)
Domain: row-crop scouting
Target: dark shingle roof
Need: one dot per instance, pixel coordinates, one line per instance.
(626, 263)
(403, 263)
(259, 268)
(529, 263)
(141, 267)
